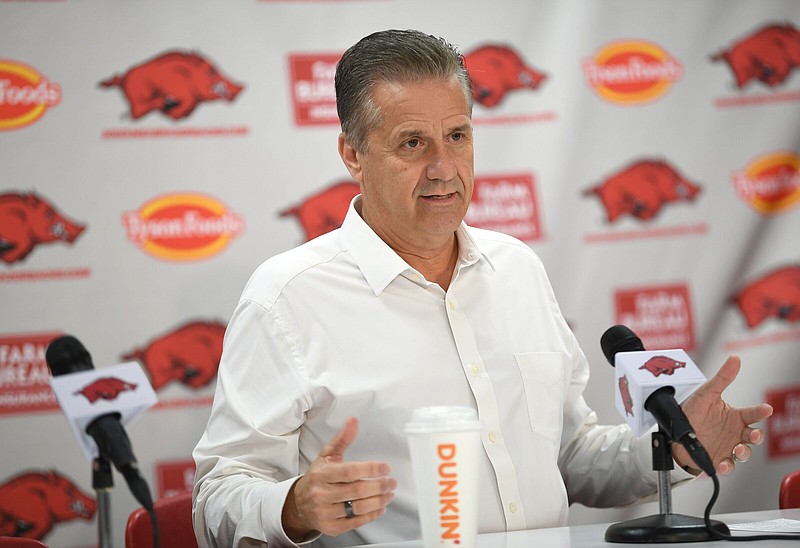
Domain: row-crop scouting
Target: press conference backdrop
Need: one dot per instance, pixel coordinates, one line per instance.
(155, 152)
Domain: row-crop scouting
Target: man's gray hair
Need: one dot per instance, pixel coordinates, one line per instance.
(390, 56)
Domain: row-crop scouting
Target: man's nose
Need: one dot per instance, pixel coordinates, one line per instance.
(441, 164)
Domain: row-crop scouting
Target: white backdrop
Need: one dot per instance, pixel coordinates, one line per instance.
(691, 238)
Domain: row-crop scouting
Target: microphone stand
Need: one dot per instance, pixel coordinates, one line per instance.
(103, 482)
(664, 526)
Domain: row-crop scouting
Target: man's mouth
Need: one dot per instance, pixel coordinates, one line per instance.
(439, 196)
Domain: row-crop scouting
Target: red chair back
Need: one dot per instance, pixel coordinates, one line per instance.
(789, 495)
(19, 542)
(174, 516)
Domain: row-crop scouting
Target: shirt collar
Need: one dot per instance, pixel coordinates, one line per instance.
(379, 263)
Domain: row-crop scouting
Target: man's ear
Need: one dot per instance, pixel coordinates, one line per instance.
(351, 159)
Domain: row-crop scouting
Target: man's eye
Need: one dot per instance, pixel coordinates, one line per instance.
(457, 136)
(412, 143)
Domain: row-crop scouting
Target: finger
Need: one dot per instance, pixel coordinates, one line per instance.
(724, 377)
(369, 505)
(754, 436)
(742, 453)
(341, 441)
(755, 413)
(725, 466)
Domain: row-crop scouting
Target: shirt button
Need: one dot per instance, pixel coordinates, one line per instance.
(512, 508)
(475, 369)
(452, 304)
(492, 437)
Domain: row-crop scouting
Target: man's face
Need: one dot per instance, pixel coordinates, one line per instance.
(416, 176)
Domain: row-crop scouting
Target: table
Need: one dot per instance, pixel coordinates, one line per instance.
(592, 536)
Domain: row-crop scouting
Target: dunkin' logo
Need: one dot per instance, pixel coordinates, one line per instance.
(25, 95)
(313, 92)
(632, 72)
(183, 227)
(770, 183)
(449, 516)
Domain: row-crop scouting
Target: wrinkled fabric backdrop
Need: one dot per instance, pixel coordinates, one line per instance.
(154, 153)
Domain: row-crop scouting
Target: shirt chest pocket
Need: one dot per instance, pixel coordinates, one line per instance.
(543, 376)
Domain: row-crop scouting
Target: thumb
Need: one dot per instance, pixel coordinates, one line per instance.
(335, 448)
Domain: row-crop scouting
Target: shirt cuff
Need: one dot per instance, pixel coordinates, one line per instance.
(273, 524)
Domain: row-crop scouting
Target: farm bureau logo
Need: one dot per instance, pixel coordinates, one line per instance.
(24, 375)
(313, 92)
(25, 95)
(31, 503)
(770, 184)
(182, 227)
(662, 316)
(173, 83)
(188, 354)
(632, 72)
(506, 203)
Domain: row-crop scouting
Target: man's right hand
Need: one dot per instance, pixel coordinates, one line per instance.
(316, 501)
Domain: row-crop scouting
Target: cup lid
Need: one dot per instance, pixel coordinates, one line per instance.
(443, 418)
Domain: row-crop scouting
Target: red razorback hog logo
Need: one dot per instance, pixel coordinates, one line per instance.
(662, 365)
(767, 55)
(642, 189)
(33, 502)
(105, 388)
(173, 83)
(625, 393)
(325, 210)
(26, 220)
(776, 294)
(496, 70)
(189, 354)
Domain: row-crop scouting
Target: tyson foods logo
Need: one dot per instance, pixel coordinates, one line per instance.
(641, 189)
(767, 55)
(188, 354)
(25, 95)
(28, 220)
(173, 83)
(632, 72)
(775, 294)
(496, 70)
(182, 227)
(31, 503)
(770, 184)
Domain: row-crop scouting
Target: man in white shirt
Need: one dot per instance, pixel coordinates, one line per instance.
(334, 343)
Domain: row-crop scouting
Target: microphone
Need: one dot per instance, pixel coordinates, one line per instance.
(645, 398)
(67, 356)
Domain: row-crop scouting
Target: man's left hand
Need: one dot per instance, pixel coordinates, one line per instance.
(726, 432)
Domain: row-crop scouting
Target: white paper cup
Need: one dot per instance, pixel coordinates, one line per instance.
(445, 445)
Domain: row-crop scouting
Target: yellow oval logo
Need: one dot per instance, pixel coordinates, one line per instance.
(632, 72)
(770, 183)
(183, 227)
(25, 95)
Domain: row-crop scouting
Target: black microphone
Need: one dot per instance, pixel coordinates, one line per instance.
(66, 355)
(661, 403)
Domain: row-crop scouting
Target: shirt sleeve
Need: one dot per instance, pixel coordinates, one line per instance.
(603, 465)
(247, 459)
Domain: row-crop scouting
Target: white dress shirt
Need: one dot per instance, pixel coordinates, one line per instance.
(342, 326)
